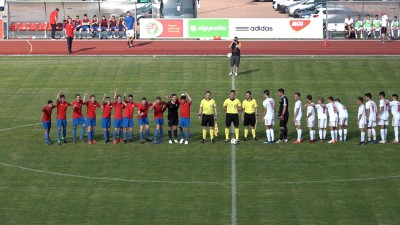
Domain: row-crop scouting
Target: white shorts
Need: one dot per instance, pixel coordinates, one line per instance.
(395, 121)
(130, 33)
(361, 125)
(310, 123)
(269, 122)
(333, 123)
(371, 123)
(297, 122)
(343, 121)
(383, 122)
(322, 123)
(359, 29)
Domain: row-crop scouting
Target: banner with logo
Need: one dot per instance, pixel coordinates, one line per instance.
(154, 28)
(276, 28)
(208, 28)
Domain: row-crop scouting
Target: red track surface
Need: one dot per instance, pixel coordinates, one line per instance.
(150, 47)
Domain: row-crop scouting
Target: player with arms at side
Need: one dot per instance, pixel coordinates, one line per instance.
(118, 107)
(143, 120)
(232, 106)
(333, 119)
(103, 27)
(173, 118)
(112, 27)
(77, 117)
(158, 107)
(208, 114)
(311, 118)
(383, 116)
(343, 120)
(91, 105)
(297, 117)
(106, 117)
(95, 26)
(283, 115)
(185, 102)
(322, 113)
(268, 117)
(128, 23)
(249, 115)
(46, 120)
(395, 109)
(370, 113)
(361, 119)
(127, 122)
(62, 106)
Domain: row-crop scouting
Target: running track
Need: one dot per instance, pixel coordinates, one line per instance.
(196, 47)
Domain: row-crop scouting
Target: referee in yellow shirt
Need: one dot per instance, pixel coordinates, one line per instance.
(249, 115)
(207, 114)
(232, 107)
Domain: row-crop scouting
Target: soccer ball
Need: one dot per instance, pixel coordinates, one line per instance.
(233, 141)
(229, 55)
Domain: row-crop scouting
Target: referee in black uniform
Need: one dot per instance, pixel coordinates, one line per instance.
(173, 107)
(283, 115)
(235, 47)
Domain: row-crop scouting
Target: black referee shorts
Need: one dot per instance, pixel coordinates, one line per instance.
(173, 122)
(249, 120)
(207, 120)
(232, 118)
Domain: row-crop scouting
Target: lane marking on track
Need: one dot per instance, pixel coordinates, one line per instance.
(31, 47)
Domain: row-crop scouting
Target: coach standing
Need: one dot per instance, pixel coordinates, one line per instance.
(53, 23)
(235, 47)
(70, 34)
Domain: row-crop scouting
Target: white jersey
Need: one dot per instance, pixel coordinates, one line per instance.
(332, 111)
(297, 105)
(311, 110)
(384, 115)
(372, 110)
(395, 108)
(342, 110)
(361, 112)
(322, 112)
(384, 20)
(269, 105)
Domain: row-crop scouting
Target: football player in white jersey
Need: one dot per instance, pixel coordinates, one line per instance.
(383, 116)
(333, 119)
(268, 117)
(343, 119)
(297, 117)
(311, 118)
(322, 113)
(370, 113)
(395, 109)
(361, 119)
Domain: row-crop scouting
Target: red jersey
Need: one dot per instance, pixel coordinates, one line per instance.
(118, 110)
(104, 23)
(129, 109)
(53, 16)
(144, 109)
(47, 113)
(69, 30)
(91, 109)
(62, 110)
(77, 22)
(185, 108)
(113, 23)
(77, 111)
(85, 21)
(95, 21)
(107, 108)
(158, 110)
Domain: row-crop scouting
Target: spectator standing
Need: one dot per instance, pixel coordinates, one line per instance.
(53, 23)
(69, 30)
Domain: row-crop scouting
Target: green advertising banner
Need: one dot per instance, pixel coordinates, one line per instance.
(208, 28)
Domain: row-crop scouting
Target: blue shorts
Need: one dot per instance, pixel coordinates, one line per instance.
(104, 28)
(117, 123)
(85, 27)
(184, 122)
(143, 121)
(91, 122)
(78, 121)
(113, 28)
(127, 122)
(46, 125)
(62, 123)
(105, 123)
(159, 121)
(77, 28)
(95, 28)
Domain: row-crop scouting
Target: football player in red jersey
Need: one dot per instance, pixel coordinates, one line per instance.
(91, 117)
(77, 117)
(143, 119)
(106, 117)
(127, 121)
(46, 120)
(158, 107)
(62, 106)
(118, 106)
(185, 102)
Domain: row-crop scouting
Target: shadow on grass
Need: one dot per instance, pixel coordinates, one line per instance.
(249, 71)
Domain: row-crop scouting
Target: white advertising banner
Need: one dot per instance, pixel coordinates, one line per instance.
(276, 28)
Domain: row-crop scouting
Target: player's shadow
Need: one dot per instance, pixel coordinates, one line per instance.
(84, 49)
(144, 43)
(249, 71)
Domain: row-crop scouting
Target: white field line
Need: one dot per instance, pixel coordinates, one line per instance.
(233, 172)
(31, 47)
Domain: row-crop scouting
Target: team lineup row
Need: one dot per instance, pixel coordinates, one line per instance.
(369, 115)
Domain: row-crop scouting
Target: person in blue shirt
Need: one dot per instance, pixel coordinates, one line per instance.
(129, 23)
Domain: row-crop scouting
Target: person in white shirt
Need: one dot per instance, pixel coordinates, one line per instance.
(333, 119)
(383, 116)
(384, 27)
(343, 120)
(322, 113)
(311, 118)
(395, 109)
(268, 117)
(348, 25)
(297, 117)
(370, 113)
(361, 119)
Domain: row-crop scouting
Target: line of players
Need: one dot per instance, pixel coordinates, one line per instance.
(372, 26)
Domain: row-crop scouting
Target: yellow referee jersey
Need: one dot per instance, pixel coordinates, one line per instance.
(249, 107)
(208, 106)
(232, 105)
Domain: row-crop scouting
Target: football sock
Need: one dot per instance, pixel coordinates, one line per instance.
(237, 133)
(205, 133)
(64, 133)
(345, 134)
(175, 134)
(373, 134)
(281, 135)
(226, 133)
(253, 132)
(321, 134)
(105, 135)
(396, 133)
(272, 134)
(181, 132)
(155, 135)
(82, 132)
(58, 134)
(115, 135)
(147, 134)
(311, 133)
(46, 137)
(369, 134)
(161, 134)
(268, 134)
(120, 133)
(324, 134)
(92, 133)
(124, 135)
(285, 133)
(382, 134)
(340, 135)
(362, 136)
(141, 135)
(131, 135)
(187, 135)
(74, 133)
(299, 134)
(212, 134)
(170, 134)
(385, 133)
(333, 135)
(246, 132)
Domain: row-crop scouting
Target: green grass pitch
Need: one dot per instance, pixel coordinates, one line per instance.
(166, 184)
